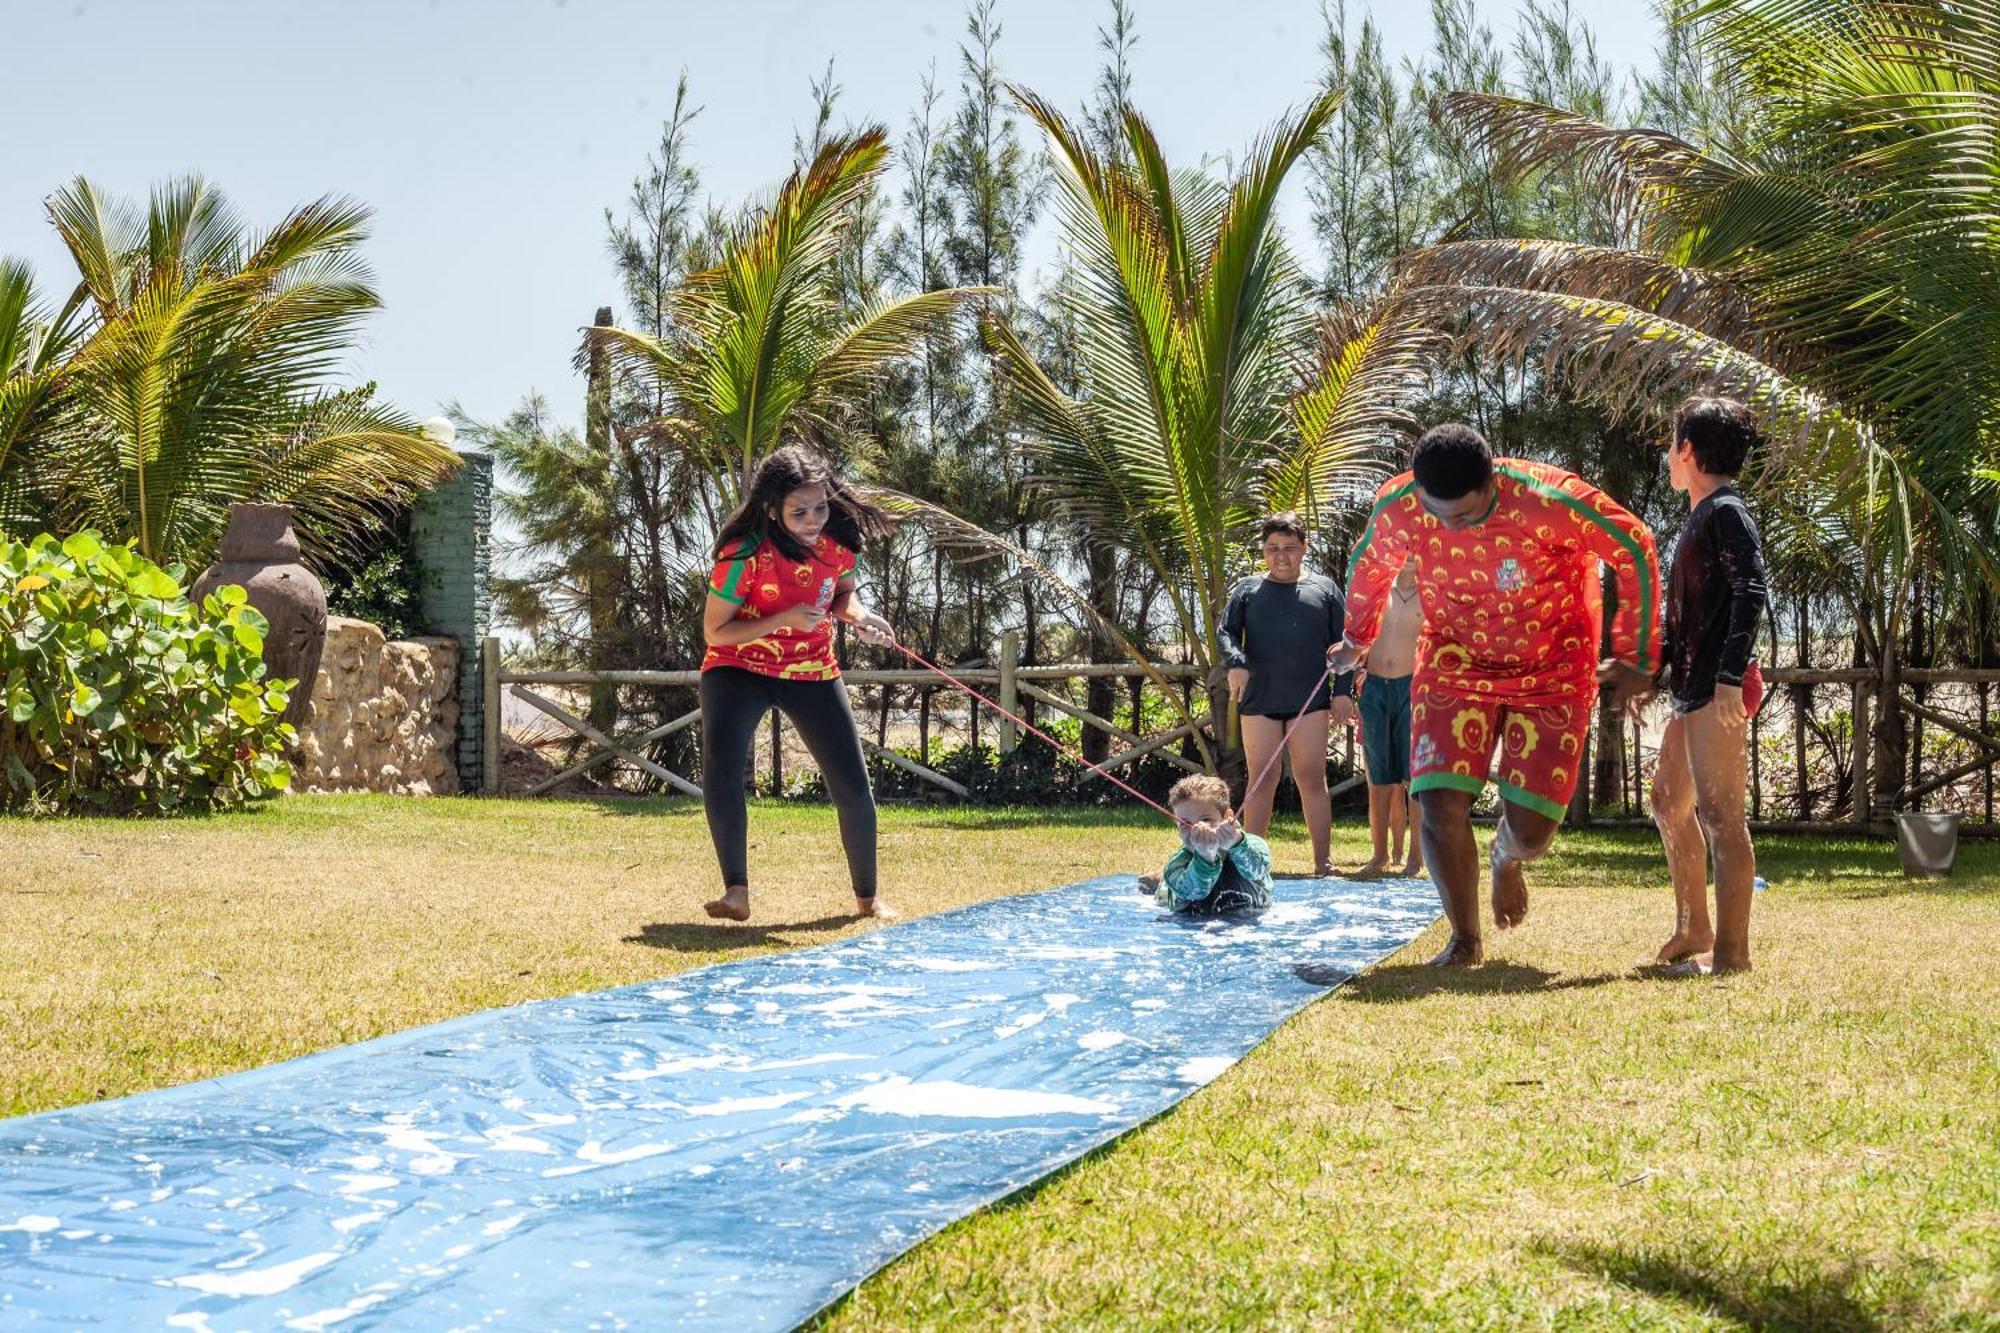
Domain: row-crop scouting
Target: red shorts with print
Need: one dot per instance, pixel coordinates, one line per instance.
(1454, 735)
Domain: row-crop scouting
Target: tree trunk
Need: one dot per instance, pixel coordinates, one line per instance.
(1101, 691)
(1228, 749)
(599, 586)
(1886, 768)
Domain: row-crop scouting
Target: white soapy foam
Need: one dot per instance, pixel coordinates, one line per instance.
(825, 1058)
(816, 1115)
(427, 1158)
(945, 1098)
(1203, 1068)
(734, 1105)
(1288, 914)
(33, 1224)
(1101, 1040)
(952, 965)
(679, 1064)
(509, 1138)
(504, 1225)
(831, 988)
(258, 1281)
(854, 1004)
(1019, 1025)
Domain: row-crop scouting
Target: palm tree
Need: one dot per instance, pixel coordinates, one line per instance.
(1836, 265)
(1213, 394)
(192, 367)
(33, 346)
(759, 345)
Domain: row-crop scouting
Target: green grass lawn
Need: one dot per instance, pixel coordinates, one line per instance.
(1560, 1138)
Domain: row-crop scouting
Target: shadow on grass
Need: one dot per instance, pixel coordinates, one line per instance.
(1778, 1298)
(638, 805)
(1414, 981)
(714, 937)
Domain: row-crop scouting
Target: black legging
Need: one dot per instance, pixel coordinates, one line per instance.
(733, 702)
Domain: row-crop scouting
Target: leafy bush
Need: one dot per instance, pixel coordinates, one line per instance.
(386, 591)
(122, 696)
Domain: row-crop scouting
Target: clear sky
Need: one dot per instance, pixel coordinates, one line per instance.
(490, 135)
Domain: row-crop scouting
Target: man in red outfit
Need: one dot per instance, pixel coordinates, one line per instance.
(1507, 555)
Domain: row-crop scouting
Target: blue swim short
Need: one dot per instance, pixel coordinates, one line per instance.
(1385, 729)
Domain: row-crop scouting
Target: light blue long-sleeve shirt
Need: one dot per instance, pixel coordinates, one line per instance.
(1238, 879)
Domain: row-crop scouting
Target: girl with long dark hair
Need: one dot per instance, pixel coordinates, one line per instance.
(784, 573)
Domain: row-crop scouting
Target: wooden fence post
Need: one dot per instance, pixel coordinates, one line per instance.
(489, 715)
(1010, 695)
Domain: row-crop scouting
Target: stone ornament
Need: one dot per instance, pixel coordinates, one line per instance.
(260, 551)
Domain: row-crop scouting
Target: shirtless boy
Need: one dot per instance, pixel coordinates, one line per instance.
(1385, 730)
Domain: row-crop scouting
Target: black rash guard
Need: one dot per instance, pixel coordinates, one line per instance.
(1281, 632)
(1715, 595)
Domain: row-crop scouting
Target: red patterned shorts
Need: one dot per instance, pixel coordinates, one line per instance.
(1454, 737)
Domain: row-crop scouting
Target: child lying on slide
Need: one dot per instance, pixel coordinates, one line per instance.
(1219, 867)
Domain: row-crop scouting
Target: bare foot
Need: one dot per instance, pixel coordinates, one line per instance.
(1722, 965)
(1149, 884)
(875, 907)
(1327, 870)
(733, 905)
(1684, 945)
(1413, 868)
(1510, 892)
(1460, 953)
(1371, 870)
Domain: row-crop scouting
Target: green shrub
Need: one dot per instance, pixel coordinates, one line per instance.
(122, 696)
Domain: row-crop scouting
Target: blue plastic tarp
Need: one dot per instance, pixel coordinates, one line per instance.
(735, 1146)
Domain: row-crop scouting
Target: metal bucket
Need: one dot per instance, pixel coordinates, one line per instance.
(1927, 843)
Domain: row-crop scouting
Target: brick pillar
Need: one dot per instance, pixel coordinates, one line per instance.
(451, 532)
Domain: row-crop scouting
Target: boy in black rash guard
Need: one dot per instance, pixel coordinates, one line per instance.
(1273, 638)
(1715, 595)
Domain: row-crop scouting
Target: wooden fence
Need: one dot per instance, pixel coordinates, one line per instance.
(1808, 774)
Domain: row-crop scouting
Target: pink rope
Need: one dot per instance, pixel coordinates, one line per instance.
(1099, 769)
(1016, 718)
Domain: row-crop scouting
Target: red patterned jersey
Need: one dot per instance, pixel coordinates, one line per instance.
(762, 582)
(1512, 605)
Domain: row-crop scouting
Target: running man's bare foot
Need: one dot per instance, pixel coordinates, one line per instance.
(733, 905)
(1371, 869)
(874, 907)
(1414, 867)
(1684, 945)
(1510, 891)
(1149, 884)
(1460, 953)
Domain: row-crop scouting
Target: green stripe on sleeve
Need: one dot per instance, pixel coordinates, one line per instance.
(730, 586)
(1368, 528)
(1647, 610)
